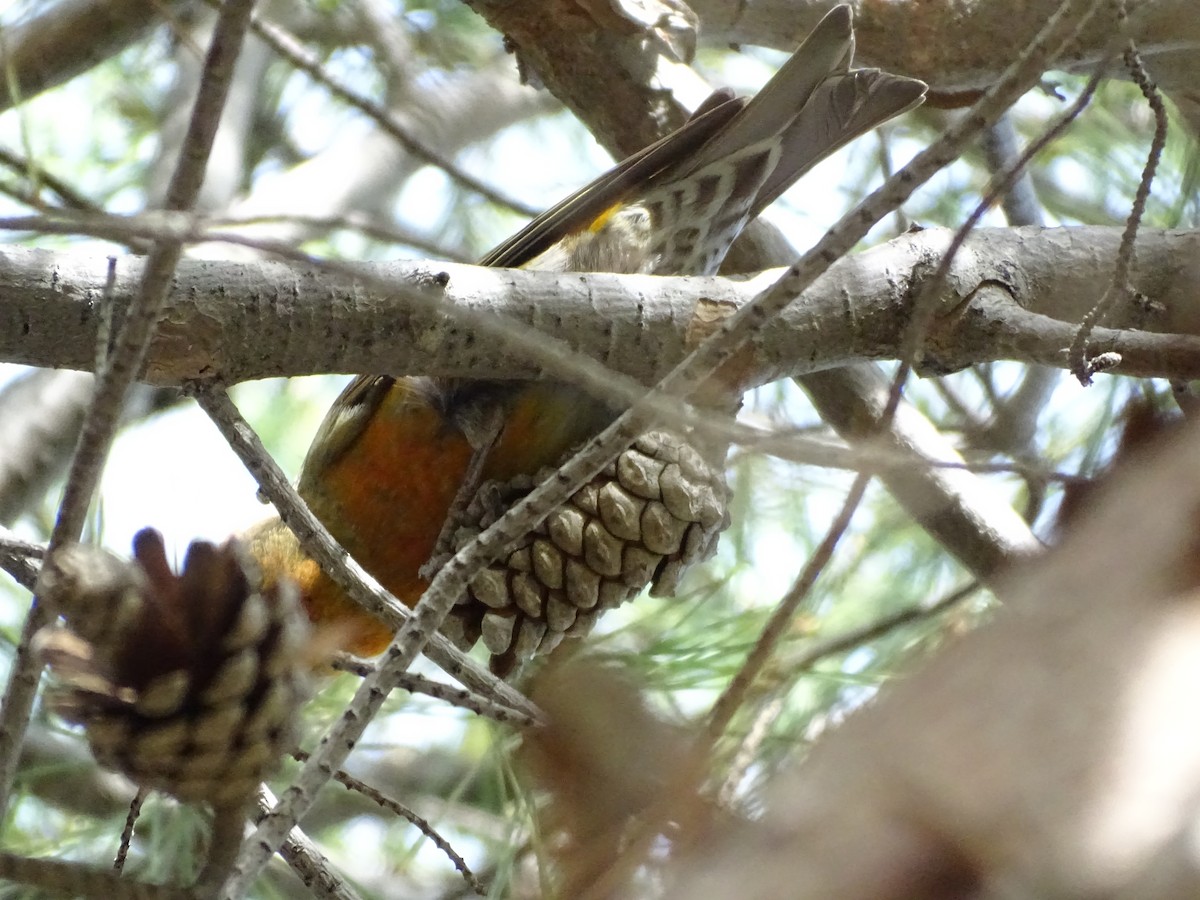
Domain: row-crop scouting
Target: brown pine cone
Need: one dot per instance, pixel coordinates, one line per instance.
(189, 684)
(656, 509)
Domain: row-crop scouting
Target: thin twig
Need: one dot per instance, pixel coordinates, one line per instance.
(131, 817)
(21, 570)
(447, 693)
(290, 48)
(747, 755)
(1081, 366)
(104, 325)
(419, 822)
(16, 558)
(781, 618)
(807, 657)
(391, 233)
(38, 176)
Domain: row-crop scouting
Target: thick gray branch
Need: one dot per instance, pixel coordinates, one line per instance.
(952, 45)
(1012, 294)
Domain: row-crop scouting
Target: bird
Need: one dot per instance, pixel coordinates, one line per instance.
(391, 456)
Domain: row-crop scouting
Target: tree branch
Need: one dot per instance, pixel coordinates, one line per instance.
(952, 46)
(1011, 294)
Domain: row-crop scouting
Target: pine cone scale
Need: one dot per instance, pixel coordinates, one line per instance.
(657, 509)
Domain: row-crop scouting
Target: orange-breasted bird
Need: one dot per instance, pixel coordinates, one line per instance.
(390, 457)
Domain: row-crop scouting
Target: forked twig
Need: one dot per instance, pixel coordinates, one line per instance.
(419, 822)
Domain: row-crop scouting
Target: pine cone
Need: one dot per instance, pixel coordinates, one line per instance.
(655, 510)
(188, 684)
